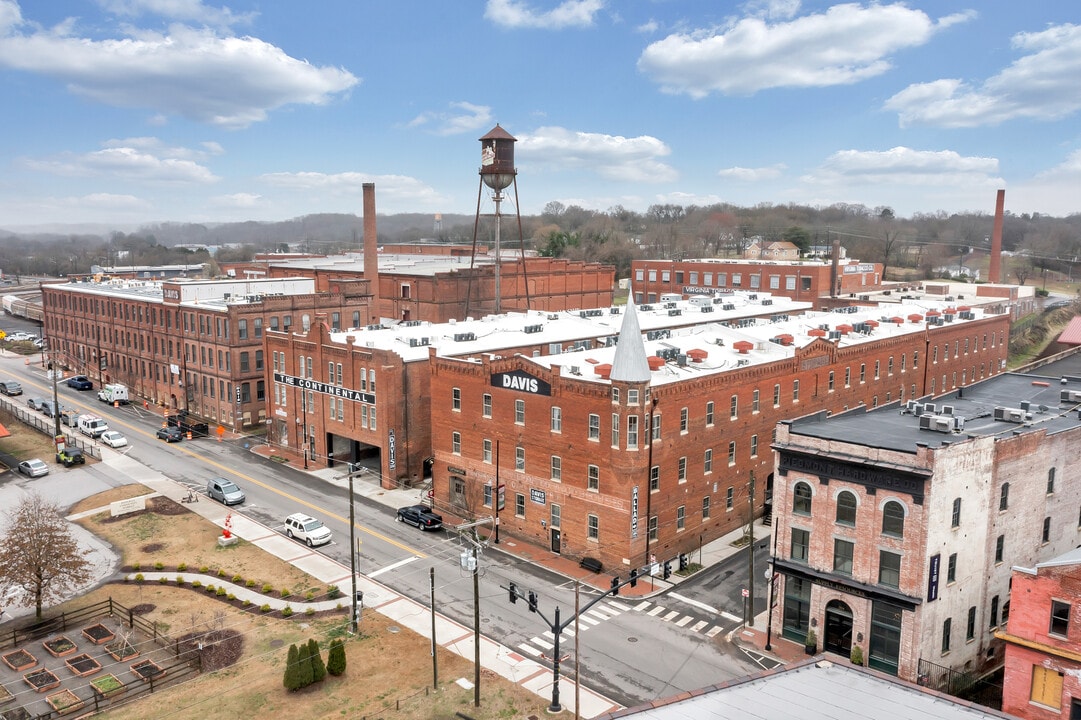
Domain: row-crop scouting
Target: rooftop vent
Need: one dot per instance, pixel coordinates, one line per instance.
(1014, 415)
(530, 329)
(941, 423)
(464, 337)
(675, 311)
(419, 342)
(1070, 396)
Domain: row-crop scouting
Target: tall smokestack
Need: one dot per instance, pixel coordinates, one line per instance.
(835, 255)
(994, 272)
(371, 249)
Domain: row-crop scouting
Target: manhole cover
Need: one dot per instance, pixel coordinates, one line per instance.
(393, 629)
(484, 620)
(632, 639)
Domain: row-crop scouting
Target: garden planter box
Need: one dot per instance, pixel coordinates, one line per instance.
(82, 665)
(60, 646)
(41, 680)
(120, 653)
(5, 696)
(98, 634)
(147, 670)
(108, 686)
(65, 702)
(19, 660)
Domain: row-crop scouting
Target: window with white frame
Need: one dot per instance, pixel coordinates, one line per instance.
(456, 443)
(681, 470)
(519, 412)
(593, 525)
(707, 462)
(593, 478)
(557, 468)
(594, 427)
(681, 517)
(519, 459)
(615, 430)
(709, 413)
(731, 452)
(557, 419)
(486, 405)
(683, 416)
(456, 399)
(487, 450)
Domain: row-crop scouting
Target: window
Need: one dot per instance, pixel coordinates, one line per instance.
(656, 426)
(487, 450)
(593, 480)
(707, 462)
(878, 364)
(777, 395)
(632, 432)
(487, 496)
(842, 556)
(846, 508)
(797, 607)
(795, 391)
(994, 613)
(801, 542)
(732, 452)
(456, 443)
(519, 459)
(1004, 497)
(848, 377)
(681, 517)
(557, 468)
(615, 430)
(709, 413)
(519, 505)
(801, 499)
(1046, 687)
(683, 420)
(1051, 481)
(889, 365)
(754, 446)
(594, 427)
(830, 386)
(754, 400)
(951, 569)
(955, 520)
(970, 628)
(244, 362)
(889, 569)
(557, 419)
(555, 516)
(1046, 537)
(456, 399)
(947, 626)
(863, 372)
(655, 478)
(632, 396)
(729, 498)
(653, 528)
(486, 406)
(519, 412)
(241, 329)
(593, 525)
(1060, 618)
(893, 519)
(733, 410)
(705, 508)
(1000, 544)
(681, 470)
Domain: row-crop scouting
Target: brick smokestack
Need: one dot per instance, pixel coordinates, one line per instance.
(835, 255)
(994, 272)
(371, 249)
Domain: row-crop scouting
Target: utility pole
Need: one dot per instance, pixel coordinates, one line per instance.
(472, 539)
(435, 659)
(750, 555)
(353, 550)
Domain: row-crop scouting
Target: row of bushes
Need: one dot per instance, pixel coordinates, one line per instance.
(221, 592)
(332, 592)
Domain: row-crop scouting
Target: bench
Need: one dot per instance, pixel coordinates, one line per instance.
(591, 564)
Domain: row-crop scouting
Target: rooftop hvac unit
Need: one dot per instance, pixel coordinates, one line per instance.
(947, 409)
(752, 296)
(613, 311)
(375, 327)
(464, 337)
(226, 296)
(940, 423)
(1025, 405)
(1014, 415)
(910, 405)
(834, 335)
(728, 306)
(681, 360)
(930, 408)
(575, 370)
(669, 305)
(418, 342)
(718, 341)
(706, 308)
(767, 301)
(530, 329)
(646, 307)
(410, 323)
(674, 311)
(553, 316)
(865, 297)
(741, 363)
(1070, 396)
(611, 341)
(718, 300)
(917, 409)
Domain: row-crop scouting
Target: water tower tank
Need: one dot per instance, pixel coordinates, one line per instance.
(497, 158)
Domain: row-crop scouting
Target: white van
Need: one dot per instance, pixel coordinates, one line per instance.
(92, 425)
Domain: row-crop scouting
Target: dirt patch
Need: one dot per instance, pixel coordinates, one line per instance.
(217, 649)
(165, 506)
(143, 608)
(152, 547)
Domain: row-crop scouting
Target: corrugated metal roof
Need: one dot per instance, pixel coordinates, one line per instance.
(1072, 334)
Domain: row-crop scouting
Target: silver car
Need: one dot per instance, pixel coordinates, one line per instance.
(224, 491)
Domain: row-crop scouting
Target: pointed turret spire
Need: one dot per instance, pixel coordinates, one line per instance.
(630, 363)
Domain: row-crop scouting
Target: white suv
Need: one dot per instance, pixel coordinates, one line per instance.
(306, 528)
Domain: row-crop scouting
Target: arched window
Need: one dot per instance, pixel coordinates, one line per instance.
(846, 508)
(1004, 497)
(893, 519)
(801, 499)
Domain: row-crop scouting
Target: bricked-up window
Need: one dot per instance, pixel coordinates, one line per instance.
(777, 395)
(801, 499)
(955, 518)
(970, 626)
(456, 443)
(795, 391)
(732, 452)
(1060, 618)
(1000, 547)
(846, 509)
(681, 517)
(519, 412)
(519, 505)
(681, 470)
(842, 556)
(683, 420)
(951, 569)
(655, 478)
(557, 420)
(1046, 535)
(456, 399)
(1051, 481)
(800, 545)
(557, 468)
(993, 616)
(754, 446)
(1004, 497)
(947, 627)
(486, 405)
(632, 432)
(889, 569)
(709, 413)
(705, 507)
(754, 400)
(707, 462)
(519, 459)
(734, 407)
(653, 528)
(893, 519)
(487, 450)
(1046, 687)
(615, 430)
(593, 481)
(593, 527)
(594, 427)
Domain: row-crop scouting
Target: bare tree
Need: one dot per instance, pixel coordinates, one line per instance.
(41, 556)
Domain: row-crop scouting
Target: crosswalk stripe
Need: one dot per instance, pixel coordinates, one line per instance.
(669, 616)
(656, 611)
(642, 605)
(699, 625)
(730, 616)
(530, 649)
(548, 634)
(542, 642)
(588, 620)
(599, 615)
(618, 606)
(714, 630)
(684, 621)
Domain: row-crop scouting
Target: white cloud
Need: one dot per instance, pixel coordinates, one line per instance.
(518, 14)
(194, 73)
(905, 166)
(1040, 85)
(751, 175)
(473, 117)
(237, 200)
(133, 159)
(183, 10)
(846, 44)
(400, 191)
(649, 27)
(11, 16)
(613, 157)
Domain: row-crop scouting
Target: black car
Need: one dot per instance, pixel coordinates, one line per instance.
(80, 382)
(170, 434)
(420, 516)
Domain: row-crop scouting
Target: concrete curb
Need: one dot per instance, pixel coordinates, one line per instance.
(241, 592)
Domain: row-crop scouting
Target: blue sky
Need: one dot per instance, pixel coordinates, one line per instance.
(137, 111)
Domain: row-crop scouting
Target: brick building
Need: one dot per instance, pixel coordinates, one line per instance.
(807, 280)
(195, 345)
(1042, 679)
(896, 531)
(647, 446)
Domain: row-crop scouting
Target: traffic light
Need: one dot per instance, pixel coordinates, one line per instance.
(532, 601)
(667, 569)
(634, 577)
(513, 593)
(682, 562)
(615, 585)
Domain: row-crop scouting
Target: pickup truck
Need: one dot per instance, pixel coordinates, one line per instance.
(186, 424)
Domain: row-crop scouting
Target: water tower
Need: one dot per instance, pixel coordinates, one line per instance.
(497, 172)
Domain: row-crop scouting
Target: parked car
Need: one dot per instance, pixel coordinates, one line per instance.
(10, 387)
(306, 528)
(71, 455)
(420, 516)
(69, 416)
(80, 382)
(33, 468)
(51, 408)
(20, 337)
(170, 434)
(224, 491)
(36, 403)
(113, 439)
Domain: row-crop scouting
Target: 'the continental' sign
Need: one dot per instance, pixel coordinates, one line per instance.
(522, 382)
(324, 388)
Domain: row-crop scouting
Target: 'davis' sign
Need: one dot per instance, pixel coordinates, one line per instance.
(324, 388)
(522, 382)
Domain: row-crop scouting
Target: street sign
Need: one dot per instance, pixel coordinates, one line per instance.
(746, 593)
